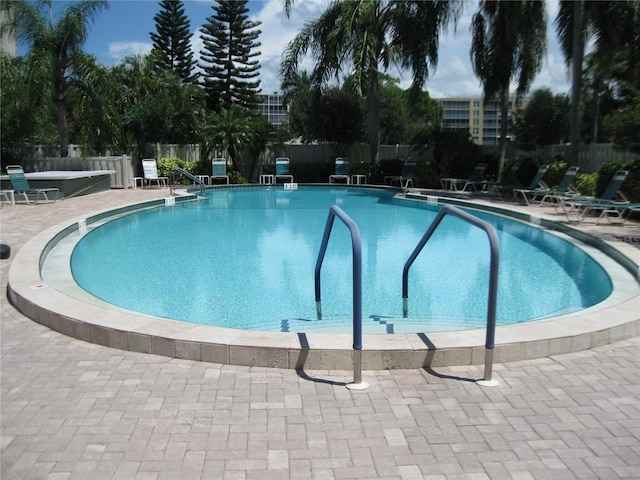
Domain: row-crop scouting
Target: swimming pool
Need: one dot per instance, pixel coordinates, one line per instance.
(244, 259)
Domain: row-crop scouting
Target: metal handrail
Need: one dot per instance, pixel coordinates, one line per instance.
(190, 176)
(493, 276)
(356, 243)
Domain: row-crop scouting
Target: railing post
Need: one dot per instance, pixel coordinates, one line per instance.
(356, 246)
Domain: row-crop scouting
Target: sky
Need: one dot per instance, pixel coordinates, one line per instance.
(123, 29)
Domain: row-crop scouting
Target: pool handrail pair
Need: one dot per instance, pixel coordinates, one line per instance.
(336, 211)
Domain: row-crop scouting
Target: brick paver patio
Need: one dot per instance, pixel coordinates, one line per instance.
(74, 410)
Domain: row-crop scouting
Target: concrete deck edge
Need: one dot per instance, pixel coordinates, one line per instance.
(144, 333)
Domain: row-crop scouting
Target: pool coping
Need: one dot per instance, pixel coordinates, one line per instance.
(619, 319)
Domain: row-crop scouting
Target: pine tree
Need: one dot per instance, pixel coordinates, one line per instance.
(171, 43)
(228, 60)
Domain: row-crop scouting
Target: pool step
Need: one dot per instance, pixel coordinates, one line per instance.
(377, 324)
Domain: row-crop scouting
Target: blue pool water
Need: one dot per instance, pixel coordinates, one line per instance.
(245, 258)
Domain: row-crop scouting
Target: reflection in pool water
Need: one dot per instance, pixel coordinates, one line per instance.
(245, 258)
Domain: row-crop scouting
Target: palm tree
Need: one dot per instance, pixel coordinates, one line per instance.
(606, 23)
(233, 130)
(365, 36)
(56, 46)
(509, 40)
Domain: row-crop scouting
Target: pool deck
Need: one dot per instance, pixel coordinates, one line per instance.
(76, 410)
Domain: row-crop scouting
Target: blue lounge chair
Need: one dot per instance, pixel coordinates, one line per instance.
(406, 176)
(563, 188)
(508, 183)
(618, 210)
(150, 172)
(474, 179)
(611, 201)
(219, 170)
(282, 170)
(21, 185)
(535, 186)
(341, 171)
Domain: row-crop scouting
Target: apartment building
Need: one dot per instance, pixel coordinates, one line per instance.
(271, 105)
(480, 119)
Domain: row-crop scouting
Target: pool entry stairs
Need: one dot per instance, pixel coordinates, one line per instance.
(336, 211)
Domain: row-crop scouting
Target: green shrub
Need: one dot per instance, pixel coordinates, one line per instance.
(236, 177)
(557, 169)
(165, 165)
(586, 183)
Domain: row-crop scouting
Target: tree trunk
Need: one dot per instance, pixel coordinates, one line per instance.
(577, 54)
(63, 129)
(373, 101)
(504, 119)
(597, 84)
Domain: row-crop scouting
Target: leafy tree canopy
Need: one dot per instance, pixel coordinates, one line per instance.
(544, 121)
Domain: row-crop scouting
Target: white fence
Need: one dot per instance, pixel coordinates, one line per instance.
(42, 158)
(591, 157)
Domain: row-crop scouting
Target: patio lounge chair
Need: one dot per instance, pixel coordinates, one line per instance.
(282, 170)
(618, 210)
(21, 185)
(341, 171)
(508, 182)
(150, 171)
(536, 185)
(580, 206)
(474, 179)
(219, 170)
(563, 188)
(406, 176)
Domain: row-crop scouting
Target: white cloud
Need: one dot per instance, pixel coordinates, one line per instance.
(278, 31)
(453, 76)
(119, 50)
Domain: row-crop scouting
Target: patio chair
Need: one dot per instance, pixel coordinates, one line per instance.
(21, 185)
(536, 185)
(619, 210)
(507, 183)
(219, 170)
(150, 172)
(474, 179)
(341, 171)
(564, 188)
(406, 176)
(282, 170)
(581, 206)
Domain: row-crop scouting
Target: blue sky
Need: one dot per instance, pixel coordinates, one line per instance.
(123, 29)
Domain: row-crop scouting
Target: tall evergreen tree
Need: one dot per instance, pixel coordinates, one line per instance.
(228, 59)
(171, 42)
